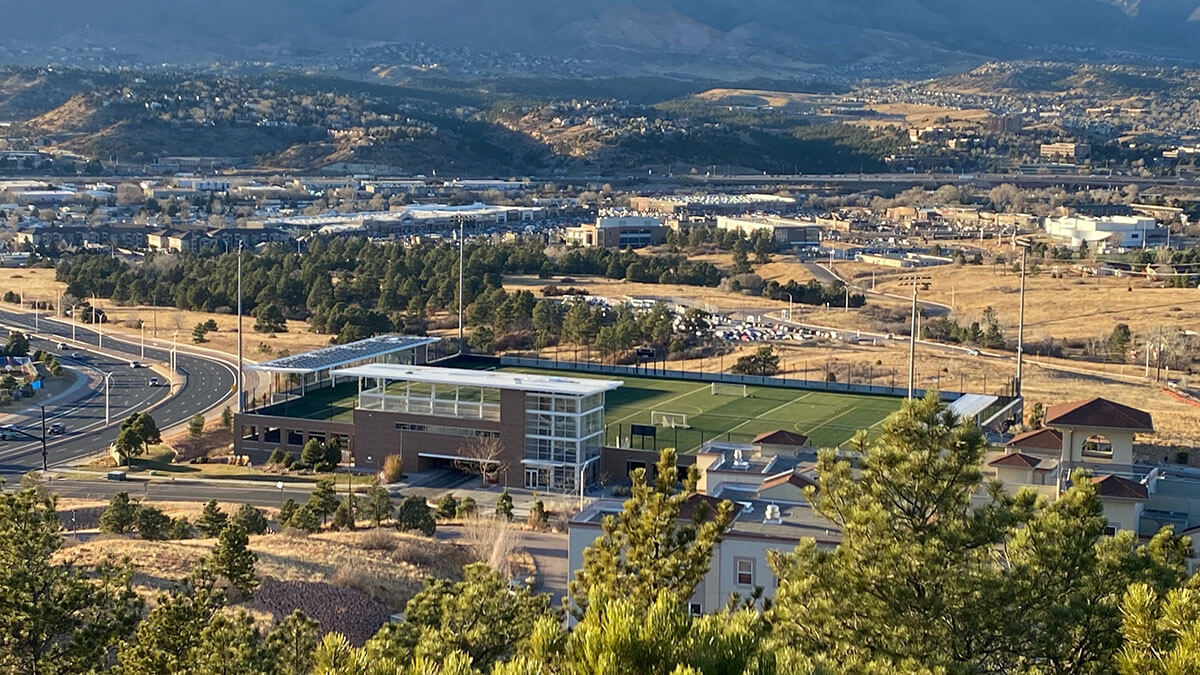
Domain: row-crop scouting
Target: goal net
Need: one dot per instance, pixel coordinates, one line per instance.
(727, 389)
(668, 419)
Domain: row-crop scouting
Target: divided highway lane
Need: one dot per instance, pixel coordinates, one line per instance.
(207, 382)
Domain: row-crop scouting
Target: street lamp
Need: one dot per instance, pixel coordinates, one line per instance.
(96, 322)
(73, 307)
(791, 304)
(107, 419)
(143, 327)
(174, 346)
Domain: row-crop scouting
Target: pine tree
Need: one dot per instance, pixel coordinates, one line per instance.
(446, 508)
(230, 645)
(167, 638)
(292, 644)
(414, 515)
(343, 517)
(55, 618)
(649, 548)
(152, 523)
(120, 514)
(323, 501)
(180, 528)
(286, 511)
(305, 520)
(212, 519)
(504, 506)
(251, 519)
(377, 505)
(196, 425)
(227, 418)
(232, 559)
(312, 453)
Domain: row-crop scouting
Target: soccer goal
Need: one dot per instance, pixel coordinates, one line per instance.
(727, 389)
(668, 419)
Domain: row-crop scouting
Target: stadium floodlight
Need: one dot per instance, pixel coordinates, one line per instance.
(669, 419)
(729, 389)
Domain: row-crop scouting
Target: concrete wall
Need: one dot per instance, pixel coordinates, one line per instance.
(614, 463)
(1074, 438)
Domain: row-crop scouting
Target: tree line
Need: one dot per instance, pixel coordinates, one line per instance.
(935, 572)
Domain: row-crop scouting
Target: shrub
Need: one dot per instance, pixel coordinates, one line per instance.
(377, 539)
(446, 508)
(278, 456)
(393, 469)
(466, 508)
(504, 506)
(537, 516)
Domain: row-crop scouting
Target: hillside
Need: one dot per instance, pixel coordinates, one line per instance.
(697, 37)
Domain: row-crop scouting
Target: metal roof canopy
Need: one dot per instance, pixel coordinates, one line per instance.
(340, 355)
(548, 384)
(968, 406)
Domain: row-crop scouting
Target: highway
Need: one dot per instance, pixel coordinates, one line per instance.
(205, 383)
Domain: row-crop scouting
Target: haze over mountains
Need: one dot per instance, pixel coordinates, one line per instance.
(646, 36)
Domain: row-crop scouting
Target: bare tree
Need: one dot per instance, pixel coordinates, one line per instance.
(483, 456)
(492, 540)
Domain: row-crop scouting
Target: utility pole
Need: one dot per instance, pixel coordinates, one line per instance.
(240, 396)
(912, 344)
(1021, 323)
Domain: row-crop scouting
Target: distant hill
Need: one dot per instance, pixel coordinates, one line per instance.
(719, 38)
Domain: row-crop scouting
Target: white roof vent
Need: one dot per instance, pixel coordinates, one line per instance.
(738, 461)
(773, 515)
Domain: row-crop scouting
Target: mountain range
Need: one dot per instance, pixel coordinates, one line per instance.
(696, 37)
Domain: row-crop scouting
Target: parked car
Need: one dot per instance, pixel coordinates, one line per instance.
(154, 382)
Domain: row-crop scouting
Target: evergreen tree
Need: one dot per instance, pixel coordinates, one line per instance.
(446, 508)
(229, 644)
(649, 548)
(377, 505)
(212, 519)
(232, 559)
(286, 511)
(312, 453)
(504, 506)
(305, 520)
(120, 514)
(343, 517)
(1161, 637)
(252, 520)
(466, 508)
(152, 523)
(414, 515)
(331, 455)
(227, 418)
(55, 618)
(924, 556)
(323, 501)
(537, 516)
(180, 528)
(196, 425)
(293, 643)
(1119, 342)
(166, 640)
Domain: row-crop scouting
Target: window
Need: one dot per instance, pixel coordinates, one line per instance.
(1097, 446)
(1110, 530)
(695, 608)
(745, 572)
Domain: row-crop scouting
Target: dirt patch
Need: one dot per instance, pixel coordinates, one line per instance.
(345, 610)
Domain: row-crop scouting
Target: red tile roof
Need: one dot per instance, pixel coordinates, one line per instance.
(1016, 459)
(1044, 438)
(1110, 485)
(1098, 412)
(787, 477)
(781, 437)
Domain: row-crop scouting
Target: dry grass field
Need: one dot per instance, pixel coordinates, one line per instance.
(349, 581)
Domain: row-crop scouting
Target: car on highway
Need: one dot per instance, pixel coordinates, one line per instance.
(154, 382)
(9, 432)
(135, 364)
(62, 346)
(57, 429)
(76, 355)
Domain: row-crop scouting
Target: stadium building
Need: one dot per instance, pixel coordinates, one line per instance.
(377, 398)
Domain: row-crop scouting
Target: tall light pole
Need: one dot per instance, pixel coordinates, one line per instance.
(143, 326)
(1021, 322)
(912, 344)
(791, 305)
(107, 419)
(174, 346)
(73, 322)
(461, 248)
(240, 396)
(97, 324)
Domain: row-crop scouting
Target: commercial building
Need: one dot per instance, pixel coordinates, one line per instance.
(787, 233)
(1107, 232)
(1072, 152)
(378, 398)
(707, 204)
(618, 231)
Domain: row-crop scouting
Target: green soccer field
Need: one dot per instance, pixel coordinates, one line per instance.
(828, 419)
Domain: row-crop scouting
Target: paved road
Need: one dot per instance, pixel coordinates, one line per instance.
(207, 382)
